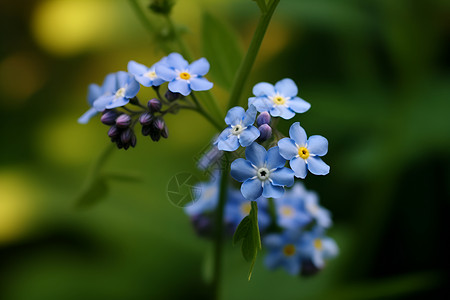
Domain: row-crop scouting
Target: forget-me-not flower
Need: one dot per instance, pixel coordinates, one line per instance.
(94, 92)
(284, 251)
(237, 208)
(280, 100)
(316, 248)
(240, 130)
(303, 153)
(182, 76)
(145, 75)
(126, 88)
(290, 209)
(206, 197)
(262, 173)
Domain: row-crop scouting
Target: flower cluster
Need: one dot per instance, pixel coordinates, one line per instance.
(116, 99)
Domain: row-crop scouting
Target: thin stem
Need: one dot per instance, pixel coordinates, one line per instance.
(201, 111)
(249, 60)
(219, 226)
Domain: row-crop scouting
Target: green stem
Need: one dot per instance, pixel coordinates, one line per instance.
(184, 50)
(219, 226)
(249, 60)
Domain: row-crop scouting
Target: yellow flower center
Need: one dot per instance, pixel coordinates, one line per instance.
(318, 244)
(245, 208)
(286, 211)
(151, 74)
(303, 152)
(185, 75)
(278, 100)
(120, 93)
(289, 250)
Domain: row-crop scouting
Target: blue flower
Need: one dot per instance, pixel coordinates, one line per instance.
(263, 173)
(206, 197)
(290, 209)
(320, 214)
(237, 208)
(280, 100)
(316, 248)
(145, 75)
(126, 87)
(284, 251)
(182, 76)
(240, 130)
(304, 154)
(94, 92)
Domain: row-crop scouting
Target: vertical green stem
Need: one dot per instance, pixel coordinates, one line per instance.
(219, 226)
(250, 57)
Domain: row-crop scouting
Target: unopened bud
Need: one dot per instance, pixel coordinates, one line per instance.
(154, 105)
(161, 6)
(133, 141)
(155, 134)
(109, 117)
(125, 136)
(263, 118)
(146, 130)
(123, 121)
(265, 132)
(159, 123)
(146, 118)
(165, 132)
(113, 131)
(171, 96)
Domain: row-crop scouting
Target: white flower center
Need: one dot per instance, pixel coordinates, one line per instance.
(263, 174)
(237, 129)
(151, 74)
(120, 93)
(312, 208)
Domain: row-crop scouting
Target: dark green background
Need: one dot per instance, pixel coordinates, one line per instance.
(377, 75)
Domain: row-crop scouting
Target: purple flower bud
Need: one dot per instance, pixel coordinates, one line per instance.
(165, 132)
(133, 141)
(109, 117)
(113, 131)
(159, 123)
(146, 130)
(123, 121)
(125, 136)
(154, 105)
(265, 132)
(146, 118)
(263, 118)
(203, 225)
(171, 96)
(155, 134)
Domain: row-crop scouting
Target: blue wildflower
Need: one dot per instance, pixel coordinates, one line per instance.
(240, 130)
(316, 248)
(284, 251)
(206, 197)
(290, 209)
(182, 76)
(94, 92)
(237, 208)
(263, 173)
(304, 154)
(126, 88)
(145, 75)
(320, 215)
(280, 100)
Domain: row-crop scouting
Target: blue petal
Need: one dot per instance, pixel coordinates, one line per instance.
(317, 166)
(292, 265)
(273, 260)
(256, 154)
(330, 248)
(250, 116)
(200, 84)
(317, 145)
(323, 218)
(263, 89)
(287, 148)
(144, 80)
(87, 116)
(251, 100)
(132, 88)
(248, 136)
(231, 143)
(94, 91)
(286, 87)
(109, 85)
(101, 103)
(241, 170)
(282, 111)
(298, 105)
(158, 81)
(118, 102)
(176, 61)
(122, 79)
(199, 67)
(274, 160)
(180, 86)
(298, 165)
(298, 134)
(282, 177)
(234, 115)
(136, 68)
(251, 189)
(273, 241)
(272, 191)
(165, 72)
(262, 104)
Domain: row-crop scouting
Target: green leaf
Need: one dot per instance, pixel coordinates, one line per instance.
(248, 232)
(92, 193)
(222, 49)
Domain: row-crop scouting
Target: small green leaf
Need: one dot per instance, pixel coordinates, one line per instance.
(222, 49)
(92, 193)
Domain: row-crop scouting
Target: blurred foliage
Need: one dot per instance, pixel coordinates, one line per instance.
(377, 75)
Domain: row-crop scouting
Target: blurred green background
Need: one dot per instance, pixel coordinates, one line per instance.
(377, 73)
